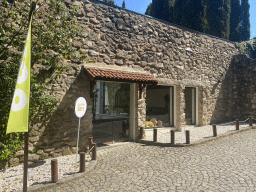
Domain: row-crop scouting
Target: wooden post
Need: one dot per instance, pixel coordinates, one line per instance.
(94, 151)
(90, 142)
(172, 137)
(82, 162)
(155, 135)
(141, 132)
(54, 169)
(250, 121)
(187, 137)
(214, 130)
(237, 124)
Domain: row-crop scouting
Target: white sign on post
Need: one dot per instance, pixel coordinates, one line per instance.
(80, 109)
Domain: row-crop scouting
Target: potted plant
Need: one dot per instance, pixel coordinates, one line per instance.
(159, 123)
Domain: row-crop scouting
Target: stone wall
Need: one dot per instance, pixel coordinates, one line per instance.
(174, 55)
(58, 136)
(244, 87)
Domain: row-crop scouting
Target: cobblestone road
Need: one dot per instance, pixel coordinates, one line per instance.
(227, 164)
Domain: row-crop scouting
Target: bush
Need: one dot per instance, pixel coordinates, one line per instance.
(52, 28)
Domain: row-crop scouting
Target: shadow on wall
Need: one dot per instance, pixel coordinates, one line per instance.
(244, 87)
(236, 96)
(220, 97)
(60, 133)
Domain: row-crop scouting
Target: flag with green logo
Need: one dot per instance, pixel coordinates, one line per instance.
(18, 118)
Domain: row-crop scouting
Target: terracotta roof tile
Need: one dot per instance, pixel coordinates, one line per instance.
(109, 74)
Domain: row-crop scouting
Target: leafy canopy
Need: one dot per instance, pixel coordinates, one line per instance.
(52, 28)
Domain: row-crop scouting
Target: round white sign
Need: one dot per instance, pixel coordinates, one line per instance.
(80, 107)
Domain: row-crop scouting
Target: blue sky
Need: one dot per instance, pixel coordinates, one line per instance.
(140, 6)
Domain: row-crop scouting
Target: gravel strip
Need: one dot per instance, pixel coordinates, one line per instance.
(11, 179)
(196, 133)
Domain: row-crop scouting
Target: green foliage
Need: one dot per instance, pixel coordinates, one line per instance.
(52, 28)
(123, 5)
(161, 9)
(149, 10)
(248, 47)
(190, 14)
(221, 18)
(218, 17)
(109, 1)
(245, 20)
(235, 21)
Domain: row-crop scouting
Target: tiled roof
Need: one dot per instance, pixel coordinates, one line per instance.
(118, 75)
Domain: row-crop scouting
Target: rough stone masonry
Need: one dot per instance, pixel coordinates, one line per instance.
(174, 55)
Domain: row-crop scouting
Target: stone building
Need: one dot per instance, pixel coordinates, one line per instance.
(145, 72)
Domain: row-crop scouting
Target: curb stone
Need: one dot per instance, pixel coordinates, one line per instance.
(53, 186)
(199, 142)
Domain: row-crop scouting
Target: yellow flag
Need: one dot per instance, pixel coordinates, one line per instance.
(18, 118)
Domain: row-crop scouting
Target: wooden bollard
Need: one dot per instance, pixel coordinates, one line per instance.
(250, 121)
(141, 132)
(90, 142)
(94, 151)
(172, 137)
(155, 135)
(54, 169)
(214, 128)
(82, 162)
(187, 137)
(237, 124)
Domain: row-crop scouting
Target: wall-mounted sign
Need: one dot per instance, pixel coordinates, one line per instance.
(80, 107)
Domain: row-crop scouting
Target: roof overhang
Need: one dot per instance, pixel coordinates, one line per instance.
(99, 71)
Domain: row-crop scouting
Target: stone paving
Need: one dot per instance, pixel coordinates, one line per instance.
(225, 164)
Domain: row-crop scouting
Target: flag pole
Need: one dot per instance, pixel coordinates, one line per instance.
(25, 174)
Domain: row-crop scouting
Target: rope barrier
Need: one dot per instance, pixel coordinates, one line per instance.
(227, 123)
(88, 152)
(245, 120)
(90, 149)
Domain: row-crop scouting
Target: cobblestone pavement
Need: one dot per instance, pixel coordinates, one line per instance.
(226, 164)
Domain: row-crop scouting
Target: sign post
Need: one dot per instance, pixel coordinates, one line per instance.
(80, 109)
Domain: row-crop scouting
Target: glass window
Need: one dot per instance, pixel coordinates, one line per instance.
(159, 106)
(111, 100)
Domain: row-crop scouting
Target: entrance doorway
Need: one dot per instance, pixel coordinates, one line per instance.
(190, 105)
(111, 112)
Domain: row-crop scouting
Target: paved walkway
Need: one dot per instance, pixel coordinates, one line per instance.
(225, 164)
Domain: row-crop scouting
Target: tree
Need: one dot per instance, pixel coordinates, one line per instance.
(149, 10)
(225, 15)
(191, 14)
(51, 34)
(235, 21)
(159, 9)
(179, 11)
(109, 1)
(171, 12)
(245, 20)
(123, 5)
(218, 18)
